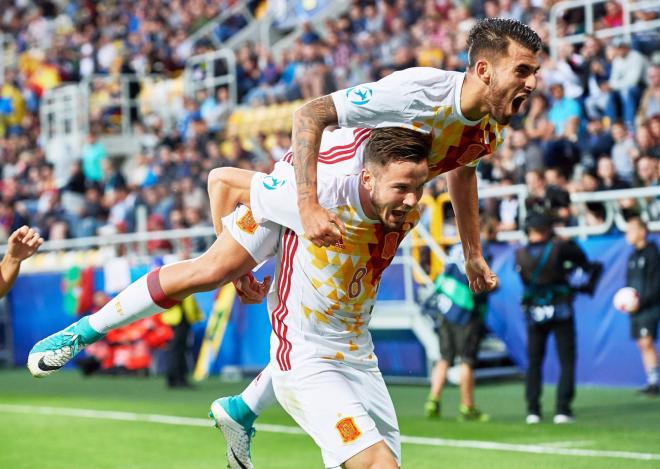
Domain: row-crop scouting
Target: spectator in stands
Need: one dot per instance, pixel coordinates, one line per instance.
(594, 72)
(628, 68)
(93, 154)
(564, 113)
(613, 15)
(609, 179)
(547, 199)
(12, 105)
(527, 155)
(21, 244)
(650, 104)
(646, 172)
(281, 145)
(562, 71)
(623, 151)
(646, 145)
(92, 215)
(537, 124)
(598, 141)
(643, 274)
(595, 210)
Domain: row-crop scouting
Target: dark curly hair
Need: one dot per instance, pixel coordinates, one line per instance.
(388, 144)
(491, 36)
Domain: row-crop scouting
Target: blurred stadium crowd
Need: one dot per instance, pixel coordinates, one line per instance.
(593, 124)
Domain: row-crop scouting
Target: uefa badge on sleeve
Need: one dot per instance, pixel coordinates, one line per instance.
(359, 95)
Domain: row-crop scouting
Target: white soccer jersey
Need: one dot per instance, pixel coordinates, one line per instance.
(425, 99)
(321, 304)
(341, 152)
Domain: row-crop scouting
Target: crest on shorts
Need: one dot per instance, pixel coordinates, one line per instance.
(389, 245)
(247, 223)
(347, 429)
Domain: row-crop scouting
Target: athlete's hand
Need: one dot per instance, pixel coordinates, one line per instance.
(479, 275)
(23, 243)
(250, 291)
(323, 228)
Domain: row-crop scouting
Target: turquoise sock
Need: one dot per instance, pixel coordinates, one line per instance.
(88, 333)
(236, 407)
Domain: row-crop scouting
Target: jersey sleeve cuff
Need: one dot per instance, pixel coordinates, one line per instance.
(340, 106)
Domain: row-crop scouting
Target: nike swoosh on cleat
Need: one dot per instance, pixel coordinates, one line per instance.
(44, 367)
(243, 466)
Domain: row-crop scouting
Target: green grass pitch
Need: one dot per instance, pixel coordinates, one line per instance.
(609, 420)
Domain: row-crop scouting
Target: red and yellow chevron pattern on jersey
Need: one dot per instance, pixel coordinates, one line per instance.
(457, 144)
(426, 99)
(326, 295)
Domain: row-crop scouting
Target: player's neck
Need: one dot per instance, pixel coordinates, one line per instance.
(473, 106)
(365, 201)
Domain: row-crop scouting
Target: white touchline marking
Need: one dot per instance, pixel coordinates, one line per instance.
(567, 444)
(270, 428)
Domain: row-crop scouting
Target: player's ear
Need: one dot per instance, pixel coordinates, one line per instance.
(367, 178)
(483, 69)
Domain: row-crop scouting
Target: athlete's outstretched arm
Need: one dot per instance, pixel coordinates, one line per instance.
(21, 244)
(462, 184)
(322, 227)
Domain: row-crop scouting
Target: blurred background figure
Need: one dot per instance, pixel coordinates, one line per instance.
(643, 274)
(180, 318)
(461, 328)
(544, 266)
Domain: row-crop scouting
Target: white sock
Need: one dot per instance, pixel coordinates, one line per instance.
(260, 394)
(652, 375)
(131, 304)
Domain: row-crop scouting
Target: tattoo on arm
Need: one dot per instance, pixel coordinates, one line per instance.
(308, 124)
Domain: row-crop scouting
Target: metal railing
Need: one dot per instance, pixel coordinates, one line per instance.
(64, 124)
(626, 30)
(205, 64)
(208, 31)
(610, 199)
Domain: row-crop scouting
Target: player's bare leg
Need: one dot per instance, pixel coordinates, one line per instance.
(468, 410)
(432, 408)
(159, 290)
(378, 456)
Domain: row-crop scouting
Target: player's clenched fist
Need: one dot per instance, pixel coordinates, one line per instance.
(479, 275)
(321, 227)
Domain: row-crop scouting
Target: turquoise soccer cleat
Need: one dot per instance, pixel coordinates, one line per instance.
(56, 350)
(238, 437)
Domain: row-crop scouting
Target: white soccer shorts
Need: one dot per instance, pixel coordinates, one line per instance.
(260, 241)
(274, 197)
(344, 409)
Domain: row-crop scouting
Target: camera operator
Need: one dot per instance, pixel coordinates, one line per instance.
(545, 266)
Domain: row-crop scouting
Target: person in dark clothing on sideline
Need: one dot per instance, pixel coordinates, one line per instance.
(545, 266)
(461, 328)
(643, 274)
(180, 317)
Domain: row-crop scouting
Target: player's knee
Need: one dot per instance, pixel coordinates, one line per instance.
(219, 179)
(230, 183)
(378, 456)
